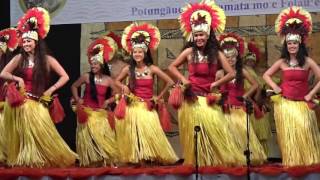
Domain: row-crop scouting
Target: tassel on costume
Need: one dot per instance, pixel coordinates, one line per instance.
(81, 114)
(176, 97)
(120, 110)
(56, 110)
(164, 116)
(14, 97)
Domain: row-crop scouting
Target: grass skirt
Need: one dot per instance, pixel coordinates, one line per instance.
(262, 128)
(140, 137)
(32, 138)
(237, 121)
(298, 133)
(95, 141)
(2, 138)
(216, 145)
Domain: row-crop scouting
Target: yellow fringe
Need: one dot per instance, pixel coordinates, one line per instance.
(2, 139)
(298, 133)
(262, 129)
(95, 141)
(140, 137)
(216, 145)
(237, 121)
(32, 139)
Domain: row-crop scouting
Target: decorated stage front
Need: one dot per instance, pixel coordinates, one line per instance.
(273, 171)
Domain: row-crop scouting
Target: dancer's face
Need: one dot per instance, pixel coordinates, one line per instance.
(95, 67)
(138, 54)
(293, 47)
(231, 60)
(28, 45)
(200, 38)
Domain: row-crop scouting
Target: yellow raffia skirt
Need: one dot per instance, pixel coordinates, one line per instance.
(95, 140)
(140, 137)
(237, 122)
(298, 133)
(262, 129)
(32, 138)
(2, 135)
(216, 145)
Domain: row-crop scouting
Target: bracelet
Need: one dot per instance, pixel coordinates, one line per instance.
(55, 87)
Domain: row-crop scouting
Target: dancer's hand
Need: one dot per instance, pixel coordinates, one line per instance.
(307, 98)
(20, 83)
(213, 86)
(277, 90)
(125, 89)
(79, 101)
(186, 83)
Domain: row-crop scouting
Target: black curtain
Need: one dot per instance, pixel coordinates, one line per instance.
(64, 43)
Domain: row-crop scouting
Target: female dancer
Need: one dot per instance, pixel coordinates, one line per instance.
(237, 98)
(261, 122)
(32, 139)
(96, 143)
(215, 143)
(8, 43)
(139, 135)
(296, 123)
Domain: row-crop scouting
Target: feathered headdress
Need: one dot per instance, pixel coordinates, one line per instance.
(101, 50)
(140, 35)
(232, 44)
(202, 17)
(35, 23)
(294, 23)
(9, 39)
(253, 52)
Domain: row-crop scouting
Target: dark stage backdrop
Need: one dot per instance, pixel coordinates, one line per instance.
(64, 43)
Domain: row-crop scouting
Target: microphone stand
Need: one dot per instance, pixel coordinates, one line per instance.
(196, 131)
(247, 152)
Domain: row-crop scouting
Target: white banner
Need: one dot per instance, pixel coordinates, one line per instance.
(90, 11)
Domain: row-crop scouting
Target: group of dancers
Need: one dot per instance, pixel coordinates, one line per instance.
(121, 121)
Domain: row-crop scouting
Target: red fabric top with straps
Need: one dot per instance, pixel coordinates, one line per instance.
(101, 95)
(294, 84)
(143, 88)
(233, 91)
(27, 78)
(201, 75)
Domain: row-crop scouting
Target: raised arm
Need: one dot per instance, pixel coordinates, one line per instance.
(57, 68)
(268, 74)
(316, 70)
(252, 81)
(229, 72)
(118, 81)
(173, 67)
(169, 82)
(6, 73)
(74, 87)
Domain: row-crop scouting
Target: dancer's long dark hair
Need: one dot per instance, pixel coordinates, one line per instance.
(239, 74)
(147, 60)
(40, 70)
(211, 49)
(301, 54)
(93, 89)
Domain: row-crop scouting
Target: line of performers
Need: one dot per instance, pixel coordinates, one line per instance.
(122, 122)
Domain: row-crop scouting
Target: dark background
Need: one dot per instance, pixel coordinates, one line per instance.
(64, 43)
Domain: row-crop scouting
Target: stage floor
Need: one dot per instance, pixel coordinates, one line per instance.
(272, 171)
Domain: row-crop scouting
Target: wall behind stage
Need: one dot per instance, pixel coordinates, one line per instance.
(258, 27)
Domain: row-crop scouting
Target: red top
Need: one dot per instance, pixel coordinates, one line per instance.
(143, 88)
(294, 84)
(27, 78)
(101, 95)
(233, 92)
(201, 76)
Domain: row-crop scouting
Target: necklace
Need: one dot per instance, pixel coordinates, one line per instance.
(202, 58)
(293, 64)
(30, 63)
(144, 73)
(97, 79)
